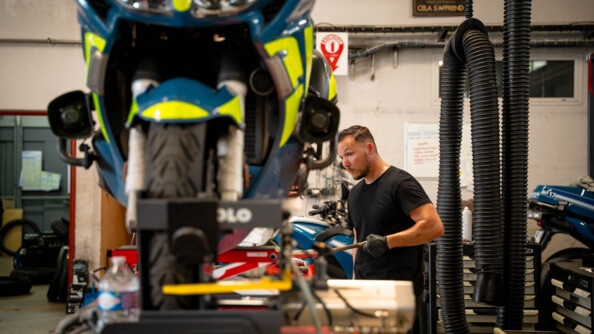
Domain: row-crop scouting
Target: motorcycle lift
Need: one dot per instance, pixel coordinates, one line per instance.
(285, 303)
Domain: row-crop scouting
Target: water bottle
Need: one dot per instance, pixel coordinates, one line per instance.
(466, 224)
(118, 294)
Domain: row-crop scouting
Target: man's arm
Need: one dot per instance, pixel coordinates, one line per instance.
(427, 227)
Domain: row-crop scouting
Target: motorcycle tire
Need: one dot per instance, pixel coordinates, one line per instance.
(58, 287)
(14, 286)
(174, 170)
(164, 270)
(175, 160)
(37, 276)
(10, 225)
(61, 229)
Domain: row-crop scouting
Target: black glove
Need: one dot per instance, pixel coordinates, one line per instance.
(376, 245)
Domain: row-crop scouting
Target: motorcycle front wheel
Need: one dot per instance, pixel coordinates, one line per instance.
(174, 169)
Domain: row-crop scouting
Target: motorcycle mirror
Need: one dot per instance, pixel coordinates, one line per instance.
(69, 115)
(319, 120)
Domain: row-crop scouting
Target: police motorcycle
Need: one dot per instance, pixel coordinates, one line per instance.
(561, 210)
(210, 111)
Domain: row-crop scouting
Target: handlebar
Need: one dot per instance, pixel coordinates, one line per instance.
(331, 211)
(315, 212)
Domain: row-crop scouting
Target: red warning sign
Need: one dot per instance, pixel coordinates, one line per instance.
(334, 46)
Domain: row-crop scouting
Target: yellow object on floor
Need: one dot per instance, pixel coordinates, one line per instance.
(14, 237)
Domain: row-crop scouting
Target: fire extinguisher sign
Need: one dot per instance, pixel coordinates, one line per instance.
(335, 47)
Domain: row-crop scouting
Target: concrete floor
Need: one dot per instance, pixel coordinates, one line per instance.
(28, 314)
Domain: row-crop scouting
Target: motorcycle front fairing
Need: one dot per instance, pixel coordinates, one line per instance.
(280, 42)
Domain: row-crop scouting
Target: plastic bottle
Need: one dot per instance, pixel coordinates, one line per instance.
(118, 294)
(466, 224)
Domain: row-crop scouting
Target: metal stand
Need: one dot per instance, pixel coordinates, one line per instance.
(590, 92)
(201, 322)
(430, 295)
(206, 220)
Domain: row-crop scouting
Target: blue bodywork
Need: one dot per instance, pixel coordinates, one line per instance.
(285, 38)
(305, 231)
(575, 203)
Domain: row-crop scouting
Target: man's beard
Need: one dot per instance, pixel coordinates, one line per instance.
(362, 174)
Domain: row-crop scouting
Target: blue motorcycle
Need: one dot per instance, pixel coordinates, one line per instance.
(560, 210)
(331, 230)
(211, 111)
(325, 233)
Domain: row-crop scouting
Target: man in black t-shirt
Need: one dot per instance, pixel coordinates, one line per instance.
(390, 210)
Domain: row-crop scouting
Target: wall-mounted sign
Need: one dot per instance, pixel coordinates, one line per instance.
(335, 48)
(438, 7)
(421, 152)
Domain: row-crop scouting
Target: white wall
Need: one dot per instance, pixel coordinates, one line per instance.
(400, 13)
(33, 74)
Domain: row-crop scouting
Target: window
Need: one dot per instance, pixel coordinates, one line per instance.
(551, 78)
(548, 79)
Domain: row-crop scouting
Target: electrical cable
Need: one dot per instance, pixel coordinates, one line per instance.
(307, 296)
(298, 314)
(326, 310)
(356, 311)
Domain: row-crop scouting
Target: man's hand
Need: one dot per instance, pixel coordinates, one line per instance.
(376, 245)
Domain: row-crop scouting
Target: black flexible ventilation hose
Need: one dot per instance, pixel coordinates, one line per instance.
(468, 9)
(484, 118)
(449, 246)
(469, 46)
(516, 93)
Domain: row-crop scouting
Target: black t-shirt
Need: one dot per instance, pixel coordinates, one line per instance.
(383, 208)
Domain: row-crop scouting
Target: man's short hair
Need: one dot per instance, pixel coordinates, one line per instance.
(361, 134)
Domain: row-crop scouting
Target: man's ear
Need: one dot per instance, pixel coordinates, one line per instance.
(370, 148)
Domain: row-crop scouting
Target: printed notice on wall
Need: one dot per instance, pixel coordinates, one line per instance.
(33, 177)
(31, 170)
(421, 147)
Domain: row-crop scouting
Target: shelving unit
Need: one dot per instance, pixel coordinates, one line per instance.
(482, 318)
(574, 284)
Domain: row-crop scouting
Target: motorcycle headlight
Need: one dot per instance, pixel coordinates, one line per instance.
(163, 7)
(216, 8)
